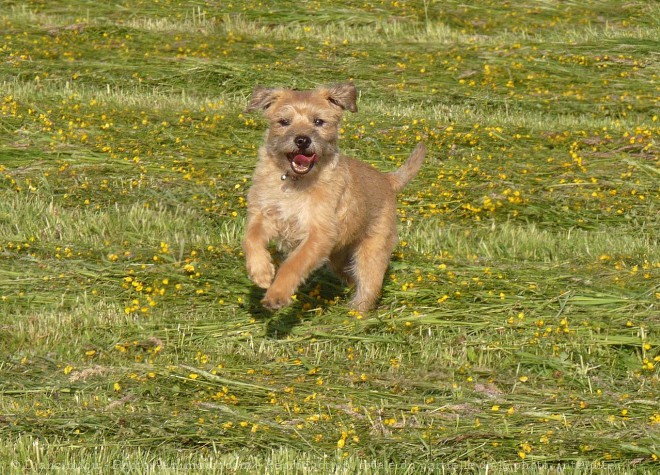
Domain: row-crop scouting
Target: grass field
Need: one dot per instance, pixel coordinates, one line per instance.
(519, 329)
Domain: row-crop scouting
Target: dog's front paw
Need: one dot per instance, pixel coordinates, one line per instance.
(261, 273)
(276, 299)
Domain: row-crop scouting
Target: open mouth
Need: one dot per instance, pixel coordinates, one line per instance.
(301, 164)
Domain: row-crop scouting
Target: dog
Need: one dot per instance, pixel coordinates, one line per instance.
(318, 205)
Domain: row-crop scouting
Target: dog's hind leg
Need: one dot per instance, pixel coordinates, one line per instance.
(371, 259)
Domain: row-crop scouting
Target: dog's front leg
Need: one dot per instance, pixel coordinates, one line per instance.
(258, 260)
(309, 255)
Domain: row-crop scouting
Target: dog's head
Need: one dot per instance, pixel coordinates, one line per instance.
(304, 125)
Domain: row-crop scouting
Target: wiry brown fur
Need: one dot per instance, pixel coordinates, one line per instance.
(342, 211)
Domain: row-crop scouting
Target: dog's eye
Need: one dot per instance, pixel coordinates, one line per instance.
(284, 122)
(319, 122)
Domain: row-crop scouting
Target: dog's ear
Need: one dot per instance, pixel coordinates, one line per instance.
(262, 98)
(343, 95)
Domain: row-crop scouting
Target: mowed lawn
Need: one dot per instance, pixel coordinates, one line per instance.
(519, 328)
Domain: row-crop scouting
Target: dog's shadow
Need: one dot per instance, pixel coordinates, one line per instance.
(325, 286)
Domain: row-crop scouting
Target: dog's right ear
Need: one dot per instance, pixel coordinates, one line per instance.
(262, 98)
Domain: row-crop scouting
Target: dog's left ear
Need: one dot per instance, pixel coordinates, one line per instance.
(343, 95)
(262, 98)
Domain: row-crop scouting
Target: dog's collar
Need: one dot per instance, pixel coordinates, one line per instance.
(291, 176)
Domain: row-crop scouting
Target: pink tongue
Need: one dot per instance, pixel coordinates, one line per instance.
(303, 161)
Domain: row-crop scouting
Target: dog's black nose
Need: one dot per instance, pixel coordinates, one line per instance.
(302, 142)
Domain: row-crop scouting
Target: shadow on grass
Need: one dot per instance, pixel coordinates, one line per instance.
(325, 286)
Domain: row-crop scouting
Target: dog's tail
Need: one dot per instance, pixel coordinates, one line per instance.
(406, 172)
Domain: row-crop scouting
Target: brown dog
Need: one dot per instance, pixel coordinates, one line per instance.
(318, 205)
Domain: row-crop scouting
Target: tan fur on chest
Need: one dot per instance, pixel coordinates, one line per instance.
(291, 210)
(287, 221)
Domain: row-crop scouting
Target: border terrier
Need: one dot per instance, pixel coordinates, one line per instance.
(318, 205)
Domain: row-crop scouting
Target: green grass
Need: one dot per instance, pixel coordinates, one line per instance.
(518, 329)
